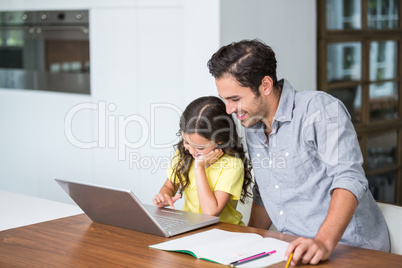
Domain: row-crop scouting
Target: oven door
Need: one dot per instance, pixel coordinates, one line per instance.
(52, 58)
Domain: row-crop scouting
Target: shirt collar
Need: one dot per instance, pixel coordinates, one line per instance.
(285, 108)
(286, 103)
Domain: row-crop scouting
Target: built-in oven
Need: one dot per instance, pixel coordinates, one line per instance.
(45, 50)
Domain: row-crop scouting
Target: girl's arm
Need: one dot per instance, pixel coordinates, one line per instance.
(212, 203)
(166, 196)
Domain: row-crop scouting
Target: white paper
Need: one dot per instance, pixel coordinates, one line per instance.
(225, 247)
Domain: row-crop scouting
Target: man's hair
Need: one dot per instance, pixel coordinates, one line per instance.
(248, 61)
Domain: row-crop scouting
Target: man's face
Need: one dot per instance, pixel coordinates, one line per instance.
(249, 108)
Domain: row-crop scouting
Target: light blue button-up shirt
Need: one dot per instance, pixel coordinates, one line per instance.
(312, 149)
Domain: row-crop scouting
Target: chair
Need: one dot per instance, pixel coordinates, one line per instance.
(393, 218)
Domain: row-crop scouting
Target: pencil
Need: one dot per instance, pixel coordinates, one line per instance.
(252, 258)
(290, 258)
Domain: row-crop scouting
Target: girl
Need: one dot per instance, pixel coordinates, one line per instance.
(209, 167)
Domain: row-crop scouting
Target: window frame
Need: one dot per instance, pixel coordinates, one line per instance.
(365, 128)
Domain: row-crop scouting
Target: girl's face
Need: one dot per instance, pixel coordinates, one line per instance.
(196, 144)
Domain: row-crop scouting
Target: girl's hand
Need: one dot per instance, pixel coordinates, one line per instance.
(163, 200)
(205, 161)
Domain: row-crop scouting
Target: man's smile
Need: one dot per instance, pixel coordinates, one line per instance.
(240, 116)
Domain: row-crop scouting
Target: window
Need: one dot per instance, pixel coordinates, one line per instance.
(359, 62)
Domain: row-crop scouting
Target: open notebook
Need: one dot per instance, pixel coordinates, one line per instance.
(228, 247)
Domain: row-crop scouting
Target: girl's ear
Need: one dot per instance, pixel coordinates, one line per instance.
(219, 145)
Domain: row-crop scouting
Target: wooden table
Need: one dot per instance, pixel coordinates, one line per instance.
(76, 241)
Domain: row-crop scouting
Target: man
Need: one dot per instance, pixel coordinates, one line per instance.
(305, 155)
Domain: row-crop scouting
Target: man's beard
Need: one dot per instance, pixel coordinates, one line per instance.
(259, 113)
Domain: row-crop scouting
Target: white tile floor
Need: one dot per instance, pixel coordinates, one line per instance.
(18, 210)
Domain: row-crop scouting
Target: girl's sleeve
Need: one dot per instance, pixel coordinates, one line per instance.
(231, 178)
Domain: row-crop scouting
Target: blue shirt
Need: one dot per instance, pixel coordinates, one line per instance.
(312, 149)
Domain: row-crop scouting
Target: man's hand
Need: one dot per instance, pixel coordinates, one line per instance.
(205, 161)
(163, 200)
(306, 250)
(343, 205)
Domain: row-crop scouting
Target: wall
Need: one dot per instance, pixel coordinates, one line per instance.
(288, 26)
(148, 60)
(144, 54)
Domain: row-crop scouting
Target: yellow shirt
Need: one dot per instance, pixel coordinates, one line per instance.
(226, 175)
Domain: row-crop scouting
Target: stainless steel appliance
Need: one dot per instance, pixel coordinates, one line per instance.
(45, 50)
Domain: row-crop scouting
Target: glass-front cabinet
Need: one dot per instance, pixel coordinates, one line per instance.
(359, 62)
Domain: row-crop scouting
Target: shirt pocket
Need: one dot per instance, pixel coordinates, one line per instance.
(290, 170)
(261, 169)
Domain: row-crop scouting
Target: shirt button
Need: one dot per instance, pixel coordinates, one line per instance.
(276, 186)
(281, 213)
(258, 155)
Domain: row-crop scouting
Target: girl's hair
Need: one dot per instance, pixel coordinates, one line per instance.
(207, 117)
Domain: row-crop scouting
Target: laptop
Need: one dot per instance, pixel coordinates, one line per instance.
(122, 208)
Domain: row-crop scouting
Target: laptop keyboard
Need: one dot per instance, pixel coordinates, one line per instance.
(168, 222)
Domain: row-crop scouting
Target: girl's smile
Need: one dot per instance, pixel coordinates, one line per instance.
(196, 144)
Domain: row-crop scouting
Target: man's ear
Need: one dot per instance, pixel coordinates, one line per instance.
(267, 85)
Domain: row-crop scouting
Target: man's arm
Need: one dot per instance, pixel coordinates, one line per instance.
(342, 207)
(330, 130)
(259, 217)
